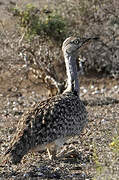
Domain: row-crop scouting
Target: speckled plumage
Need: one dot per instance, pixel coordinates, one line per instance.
(55, 118)
(51, 122)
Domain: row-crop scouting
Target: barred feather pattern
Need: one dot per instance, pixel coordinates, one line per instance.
(54, 118)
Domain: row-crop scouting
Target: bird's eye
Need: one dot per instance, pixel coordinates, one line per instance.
(76, 41)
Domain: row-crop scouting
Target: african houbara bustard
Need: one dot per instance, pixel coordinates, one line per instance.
(51, 122)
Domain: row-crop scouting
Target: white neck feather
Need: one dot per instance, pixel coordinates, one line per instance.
(72, 75)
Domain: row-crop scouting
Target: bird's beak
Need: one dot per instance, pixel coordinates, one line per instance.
(86, 40)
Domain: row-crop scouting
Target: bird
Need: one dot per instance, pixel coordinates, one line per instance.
(49, 124)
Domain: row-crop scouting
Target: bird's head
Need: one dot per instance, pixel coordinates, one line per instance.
(72, 44)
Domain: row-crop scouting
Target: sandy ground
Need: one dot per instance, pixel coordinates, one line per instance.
(94, 157)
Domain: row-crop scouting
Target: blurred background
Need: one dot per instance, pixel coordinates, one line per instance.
(32, 32)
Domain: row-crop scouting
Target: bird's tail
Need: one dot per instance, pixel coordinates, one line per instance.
(16, 152)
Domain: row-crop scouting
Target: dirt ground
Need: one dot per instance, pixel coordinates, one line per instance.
(95, 158)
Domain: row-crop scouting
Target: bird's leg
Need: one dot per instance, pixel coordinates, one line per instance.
(53, 147)
(62, 152)
(68, 151)
(52, 150)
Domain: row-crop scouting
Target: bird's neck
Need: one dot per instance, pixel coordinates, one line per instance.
(72, 75)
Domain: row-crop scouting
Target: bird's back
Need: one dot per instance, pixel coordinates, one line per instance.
(54, 118)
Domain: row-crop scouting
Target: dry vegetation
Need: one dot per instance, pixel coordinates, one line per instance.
(32, 68)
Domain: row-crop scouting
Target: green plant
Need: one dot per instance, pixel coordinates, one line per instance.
(38, 22)
(114, 145)
(96, 160)
(54, 26)
(28, 20)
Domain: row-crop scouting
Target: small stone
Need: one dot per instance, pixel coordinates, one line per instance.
(26, 175)
(96, 92)
(92, 86)
(103, 121)
(84, 90)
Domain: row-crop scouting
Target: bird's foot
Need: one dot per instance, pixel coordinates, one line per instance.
(68, 152)
(51, 153)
